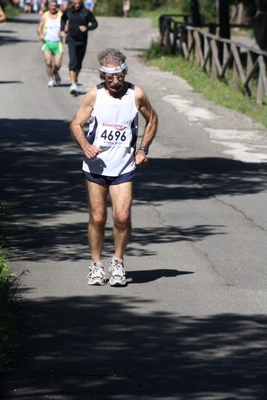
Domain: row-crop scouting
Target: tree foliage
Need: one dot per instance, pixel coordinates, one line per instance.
(114, 7)
(206, 8)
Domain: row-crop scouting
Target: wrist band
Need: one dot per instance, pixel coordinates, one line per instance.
(145, 149)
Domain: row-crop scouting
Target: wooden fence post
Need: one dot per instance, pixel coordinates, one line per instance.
(262, 82)
(166, 40)
(249, 67)
(190, 45)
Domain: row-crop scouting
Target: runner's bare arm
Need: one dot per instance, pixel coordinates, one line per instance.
(80, 118)
(2, 15)
(151, 118)
(40, 27)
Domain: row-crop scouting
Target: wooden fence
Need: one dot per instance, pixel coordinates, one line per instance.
(217, 56)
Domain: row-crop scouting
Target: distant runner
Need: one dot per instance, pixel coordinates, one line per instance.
(78, 21)
(2, 13)
(49, 32)
(126, 7)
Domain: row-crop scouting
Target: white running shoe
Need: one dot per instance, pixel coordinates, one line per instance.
(50, 84)
(57, 78)
(96, 274)
(74, 90)
(117, 273)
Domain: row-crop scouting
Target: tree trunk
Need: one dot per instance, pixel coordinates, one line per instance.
(196, 20)
(224, 19)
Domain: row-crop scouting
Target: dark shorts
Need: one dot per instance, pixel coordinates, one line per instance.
(76, 55)
(109, 180)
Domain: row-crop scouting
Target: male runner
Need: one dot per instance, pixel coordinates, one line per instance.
(2, 13)
(79, 21)
(126, 7)
(111, 157)
(49, 32)
(90, 4)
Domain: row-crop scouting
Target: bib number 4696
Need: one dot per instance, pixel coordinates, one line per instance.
(118, 136)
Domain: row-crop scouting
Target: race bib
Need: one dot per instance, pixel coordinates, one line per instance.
(110, 134)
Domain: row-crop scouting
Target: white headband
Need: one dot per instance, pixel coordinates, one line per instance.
(114, 70)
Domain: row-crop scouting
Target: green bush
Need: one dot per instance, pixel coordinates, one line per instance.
(7, 305)
(113, 8)
(206, 9)
(110, 8)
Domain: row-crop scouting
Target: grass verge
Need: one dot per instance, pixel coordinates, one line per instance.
(7, 305)
(218, 91)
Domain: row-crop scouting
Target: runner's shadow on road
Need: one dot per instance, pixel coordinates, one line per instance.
(146, 276)
(33, 19)
(9, 82)
(61, 85)
(64, 85)
(5, 40)
(6, 31)
(82, 93)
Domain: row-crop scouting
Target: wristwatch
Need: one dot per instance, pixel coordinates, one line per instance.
(145, 149)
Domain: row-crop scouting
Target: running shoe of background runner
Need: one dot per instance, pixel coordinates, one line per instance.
(50, 84)
(57, 78)
(74, 90)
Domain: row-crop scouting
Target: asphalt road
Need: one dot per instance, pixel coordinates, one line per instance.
(191, 323)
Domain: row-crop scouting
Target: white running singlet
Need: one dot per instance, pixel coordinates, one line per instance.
(113, 128)
(51, 27)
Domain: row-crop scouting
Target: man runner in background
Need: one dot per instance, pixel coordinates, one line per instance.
(90, 4)
(49, 32)
(2, 13)
(80, 21)
(111, 157)
(126, 7)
